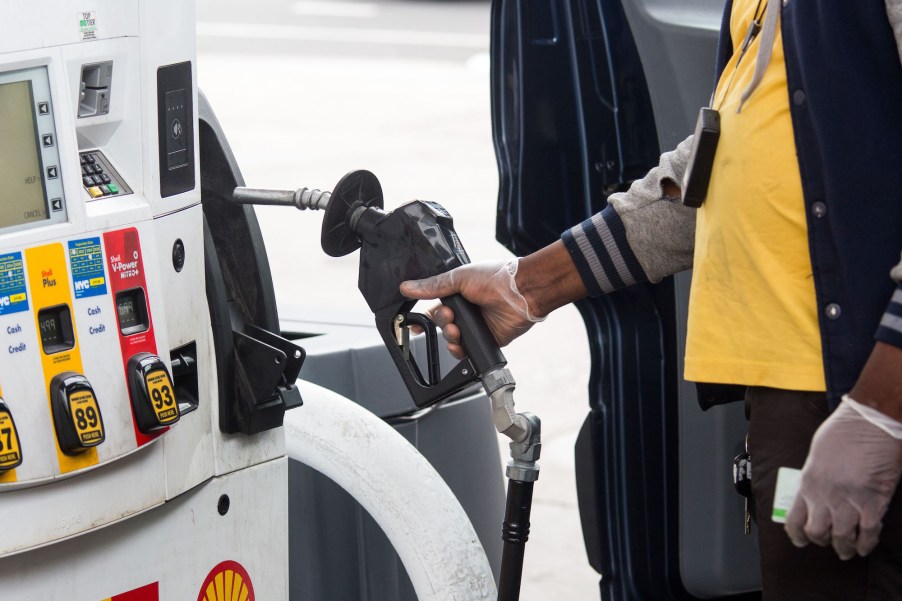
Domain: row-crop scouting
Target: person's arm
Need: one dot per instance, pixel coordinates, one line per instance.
(855, 461)
(548, 279)
(879, 385)
(494, 288)
(643, 234)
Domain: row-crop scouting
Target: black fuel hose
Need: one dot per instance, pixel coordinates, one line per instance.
(514, 533)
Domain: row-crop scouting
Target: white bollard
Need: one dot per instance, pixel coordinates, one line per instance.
(398, 487)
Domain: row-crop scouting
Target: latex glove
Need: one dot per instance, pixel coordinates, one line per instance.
(850, 476)
(492, 286)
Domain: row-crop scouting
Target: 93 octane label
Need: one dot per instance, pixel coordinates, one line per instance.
(86, 417)
(10, 453)
(159, 387)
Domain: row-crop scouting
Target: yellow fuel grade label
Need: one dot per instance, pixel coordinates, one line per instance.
(86, 417)
(49, 286)
(10, 451)
(159, 387)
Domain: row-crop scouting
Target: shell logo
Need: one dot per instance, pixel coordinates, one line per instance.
(228, 581)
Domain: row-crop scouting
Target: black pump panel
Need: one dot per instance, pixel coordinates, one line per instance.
(175, 125)
(256, 367)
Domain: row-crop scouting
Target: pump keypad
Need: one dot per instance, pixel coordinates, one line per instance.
(10, 449)
(98, 177)
(76, 413)
(153, 396)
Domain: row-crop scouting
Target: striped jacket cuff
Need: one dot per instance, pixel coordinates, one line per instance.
(890, 329)
(599, 248)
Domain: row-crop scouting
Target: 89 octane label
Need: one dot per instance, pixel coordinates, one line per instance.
(86, 417)
(160, 390)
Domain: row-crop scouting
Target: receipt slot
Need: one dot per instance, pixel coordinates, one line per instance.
(76, 414)
(152, 393)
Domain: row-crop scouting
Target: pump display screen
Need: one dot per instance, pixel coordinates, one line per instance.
(24, 198)
(55, 324)
(132, 311)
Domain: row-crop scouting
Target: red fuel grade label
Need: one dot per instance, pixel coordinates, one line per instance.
(125, 265)
(124, 259)
(150, 592)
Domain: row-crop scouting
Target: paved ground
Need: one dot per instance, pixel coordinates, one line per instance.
(309, 90)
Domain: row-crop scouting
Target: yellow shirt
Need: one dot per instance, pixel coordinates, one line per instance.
(752, 311)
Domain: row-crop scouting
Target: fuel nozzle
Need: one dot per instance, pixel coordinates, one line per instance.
(417, 240)
(414, 241)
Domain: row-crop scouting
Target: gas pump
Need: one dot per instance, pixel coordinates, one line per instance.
(144, 380)
(116, 476)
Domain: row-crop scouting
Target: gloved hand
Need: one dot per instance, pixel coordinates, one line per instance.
(850, 476)
(491, 286)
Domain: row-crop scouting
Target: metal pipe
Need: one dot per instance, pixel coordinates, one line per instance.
(499, 385)
(301, 199)
(507, 421)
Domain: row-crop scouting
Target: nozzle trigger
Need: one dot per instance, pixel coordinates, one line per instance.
(433, 366)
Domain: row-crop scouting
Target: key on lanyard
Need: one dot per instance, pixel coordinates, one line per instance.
(742, 482)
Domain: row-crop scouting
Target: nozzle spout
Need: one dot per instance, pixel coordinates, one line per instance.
(499, 386)
(301, 199)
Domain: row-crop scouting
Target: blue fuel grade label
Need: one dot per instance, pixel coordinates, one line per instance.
(13, 293)
(86, 262)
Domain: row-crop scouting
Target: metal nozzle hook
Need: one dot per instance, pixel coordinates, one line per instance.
(301, 199)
